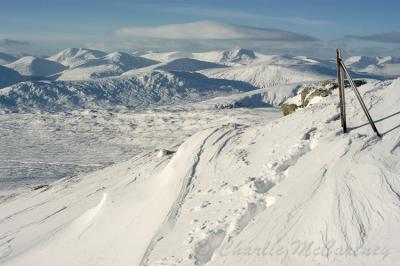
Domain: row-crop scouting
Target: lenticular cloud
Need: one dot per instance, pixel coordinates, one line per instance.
(210, 30)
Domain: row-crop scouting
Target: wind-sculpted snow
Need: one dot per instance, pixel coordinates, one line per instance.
(288, 191)
(295, 191)
(154, 88)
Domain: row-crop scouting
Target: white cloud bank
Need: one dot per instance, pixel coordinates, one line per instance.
(206, 30)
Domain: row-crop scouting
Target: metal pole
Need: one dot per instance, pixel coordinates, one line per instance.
(341, 90)
(353, 86)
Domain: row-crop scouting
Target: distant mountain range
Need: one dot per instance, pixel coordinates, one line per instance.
(78, 77)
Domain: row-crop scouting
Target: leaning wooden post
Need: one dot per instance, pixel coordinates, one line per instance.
(353, 86)
(341, 90)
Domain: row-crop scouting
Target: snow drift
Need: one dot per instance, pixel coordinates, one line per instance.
(291, 191)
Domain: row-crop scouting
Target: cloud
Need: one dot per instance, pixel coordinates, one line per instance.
(9, 42)
(212, 12)
(208, 30)
(391, 37)
(234, 14)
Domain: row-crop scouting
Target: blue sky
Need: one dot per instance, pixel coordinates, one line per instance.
(51, 25)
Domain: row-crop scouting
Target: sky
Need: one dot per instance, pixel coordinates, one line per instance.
(285, 26)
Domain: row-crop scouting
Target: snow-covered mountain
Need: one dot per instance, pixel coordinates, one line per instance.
(136, 92)
(6, 58)
(35, 66)
(238, 55)
(73, 57)
(8, 76)
(188, 64)
(232, 56)
(167, 56)
(385, 67)
(113, 64)
(267, 74)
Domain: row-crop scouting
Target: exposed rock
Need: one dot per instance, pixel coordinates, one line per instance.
(288, 108)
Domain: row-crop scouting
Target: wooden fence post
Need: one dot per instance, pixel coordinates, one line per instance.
(353, 86)
(341, 90)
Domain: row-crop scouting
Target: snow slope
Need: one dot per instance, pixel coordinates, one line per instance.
(258, 189)
(188, 64)
(232, 194)
(8, 77)
(6, 58)
(73, 57)
(228, 57)
(267, 74)
(386, 67)
(237, 55)
(167, 56)
(136, 195)
(136, 92)
(113, 64)
(35, 66)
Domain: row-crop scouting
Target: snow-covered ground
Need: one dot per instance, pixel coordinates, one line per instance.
(246, 188)
(185, 159)
(40, 148)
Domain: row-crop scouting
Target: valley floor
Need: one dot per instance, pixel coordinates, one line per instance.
(38, 148)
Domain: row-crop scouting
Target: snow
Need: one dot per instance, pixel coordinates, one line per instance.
(188, 64)
(237, 55)
(167, 56)
(113, 64)
(184, 168)
(386, 67)
(35, 66)
(136, 92)
(272, 96)
(73, 57)
(228, 190)
(47, 147)
(264, 75)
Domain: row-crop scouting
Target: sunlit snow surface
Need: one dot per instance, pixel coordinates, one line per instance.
(201, 170)
(39, 148)
(240, 180)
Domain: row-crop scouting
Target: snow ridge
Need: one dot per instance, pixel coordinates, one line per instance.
(154, 88)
